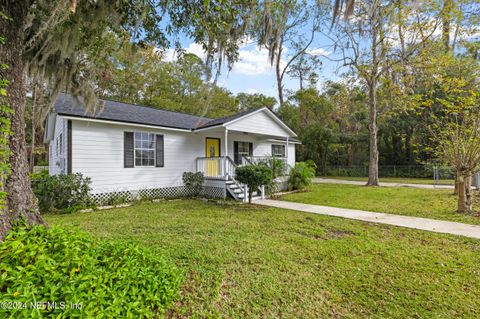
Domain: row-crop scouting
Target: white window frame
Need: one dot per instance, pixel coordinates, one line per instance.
(284, 150)
(242, 154)
(135, 148)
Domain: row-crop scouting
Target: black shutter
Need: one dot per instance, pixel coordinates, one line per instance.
(250, 149)
(159, 152)
(128, 152)
(69, 147)
(236, 157)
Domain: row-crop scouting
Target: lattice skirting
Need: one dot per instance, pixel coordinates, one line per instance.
(113, 198)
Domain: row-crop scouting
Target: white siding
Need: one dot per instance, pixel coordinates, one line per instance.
(57, 163)
(259, 123)
(97, 151)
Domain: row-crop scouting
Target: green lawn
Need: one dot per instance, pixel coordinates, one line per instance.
(258, 262)
(430, 203)
(402, 180)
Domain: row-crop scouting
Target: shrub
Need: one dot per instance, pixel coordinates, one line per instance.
(312, 164)
(108, 279)
(253, 176)
(301, 176)
(193, 182)
(61, 193)
(277, 166)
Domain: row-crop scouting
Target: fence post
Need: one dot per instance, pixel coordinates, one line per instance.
(262, 189)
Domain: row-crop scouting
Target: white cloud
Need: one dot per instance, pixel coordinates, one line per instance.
(171, 55)
(319, 52)
(252, 61)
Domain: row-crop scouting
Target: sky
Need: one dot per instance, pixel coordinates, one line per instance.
(252, 73)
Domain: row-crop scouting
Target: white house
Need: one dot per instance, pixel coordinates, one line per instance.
(127, 148)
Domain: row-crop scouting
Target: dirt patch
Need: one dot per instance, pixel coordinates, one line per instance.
(309, 219)
(338, 233)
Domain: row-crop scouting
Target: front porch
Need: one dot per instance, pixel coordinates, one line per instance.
(219, 171)
(256, 136)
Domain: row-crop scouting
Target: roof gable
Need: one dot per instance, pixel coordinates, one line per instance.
(261, 120)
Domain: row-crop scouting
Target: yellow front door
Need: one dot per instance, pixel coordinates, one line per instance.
(212, 152)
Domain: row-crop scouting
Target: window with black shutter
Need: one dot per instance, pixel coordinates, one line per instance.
(241, 149)
(143, 149)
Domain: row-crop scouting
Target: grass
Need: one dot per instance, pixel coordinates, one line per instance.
(429, 203)
(245, 261)
(401, 180)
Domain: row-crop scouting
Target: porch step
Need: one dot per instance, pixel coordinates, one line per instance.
(240, 195)
(255, 197)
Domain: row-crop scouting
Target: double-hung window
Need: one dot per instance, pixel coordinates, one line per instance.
(241, 149)
(278, 150)
(144, 149)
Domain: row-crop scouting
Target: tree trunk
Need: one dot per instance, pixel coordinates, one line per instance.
(446, 20)
(21, 205)
(455, 178)
(300, 75)
(462, 206)
(250, 195)
(278, 73)
(32, 144)
(468, 193)
(373, 160)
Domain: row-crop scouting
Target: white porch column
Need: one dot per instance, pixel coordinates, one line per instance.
(225, 152)
(286, 151)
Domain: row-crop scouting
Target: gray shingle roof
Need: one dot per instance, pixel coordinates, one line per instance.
(129, 113)
(226, 118)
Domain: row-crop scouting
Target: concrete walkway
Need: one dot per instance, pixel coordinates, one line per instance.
(433, 225)
(320, 180)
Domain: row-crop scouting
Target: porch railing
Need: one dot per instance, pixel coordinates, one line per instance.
(216, 167)
(246, 160)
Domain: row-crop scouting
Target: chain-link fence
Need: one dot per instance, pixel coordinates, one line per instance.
(436, 174)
